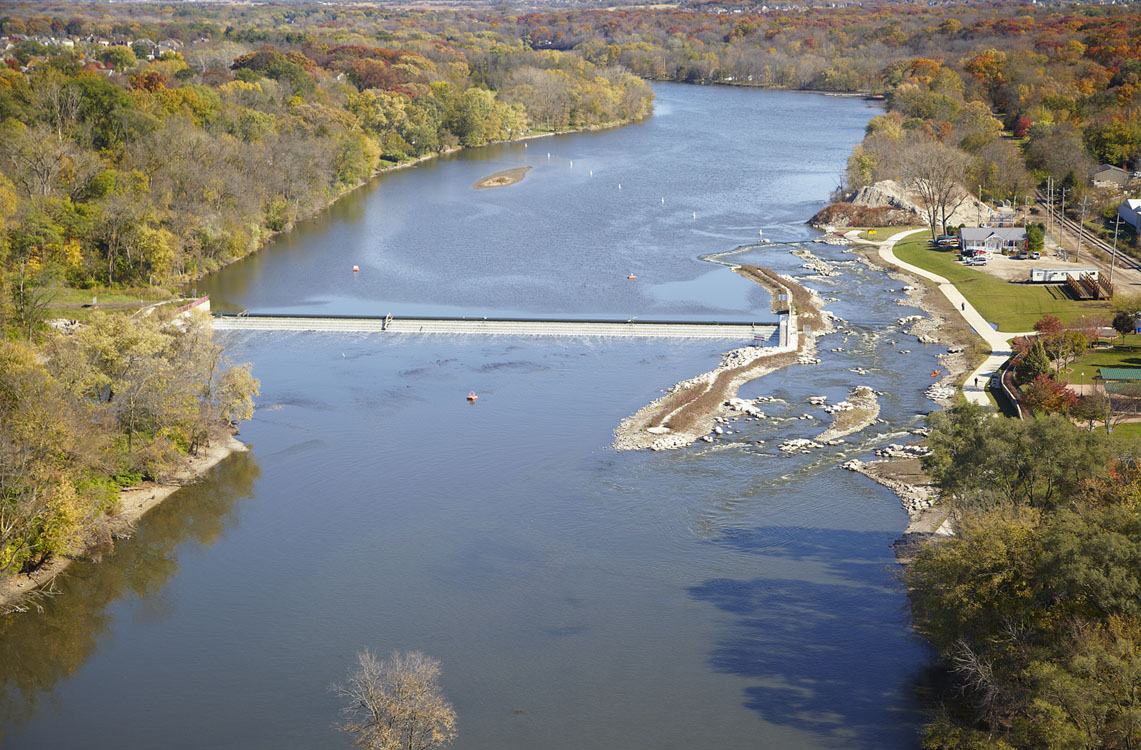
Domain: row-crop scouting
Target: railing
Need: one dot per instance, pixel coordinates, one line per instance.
(191, 305)
(1007, 388)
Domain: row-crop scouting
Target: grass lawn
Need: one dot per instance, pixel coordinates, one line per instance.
(1126, 434)
(1123, 355)
(1013, 307)
(67, 302)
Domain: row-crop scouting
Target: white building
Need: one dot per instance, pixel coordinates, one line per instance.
(992, 239)
(1130, 212)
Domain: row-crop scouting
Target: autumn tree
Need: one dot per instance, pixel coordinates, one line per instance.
(1045, 395)
(396, 704)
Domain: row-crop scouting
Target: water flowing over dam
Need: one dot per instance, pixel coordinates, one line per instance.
(759, 332)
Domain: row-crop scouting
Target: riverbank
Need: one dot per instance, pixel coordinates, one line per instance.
(265, 238)
(19, 593)
(940, 322)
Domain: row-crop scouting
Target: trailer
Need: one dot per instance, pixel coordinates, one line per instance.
(1060, 275)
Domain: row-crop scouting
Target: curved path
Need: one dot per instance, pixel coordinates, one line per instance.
(998, 341)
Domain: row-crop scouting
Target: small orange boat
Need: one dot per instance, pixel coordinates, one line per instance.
(471, 396)
(631, 277)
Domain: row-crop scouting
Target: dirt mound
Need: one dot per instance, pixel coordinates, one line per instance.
(851, 215)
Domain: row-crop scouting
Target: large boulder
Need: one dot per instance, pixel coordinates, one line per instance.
(888, 193)
(889, 203)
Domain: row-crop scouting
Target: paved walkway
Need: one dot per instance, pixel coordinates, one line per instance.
(974, 387)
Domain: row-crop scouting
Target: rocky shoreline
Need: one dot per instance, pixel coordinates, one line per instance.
(645, 429)
(691, 410)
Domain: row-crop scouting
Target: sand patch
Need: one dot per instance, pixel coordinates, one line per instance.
(502, 179)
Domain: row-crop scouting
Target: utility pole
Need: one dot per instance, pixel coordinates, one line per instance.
(1062, 224)
(1081, 226)
(979, 207)
(1050, 204)
(1113, 257)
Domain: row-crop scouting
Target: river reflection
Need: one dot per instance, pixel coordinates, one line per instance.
(39, 650)
(724, 596)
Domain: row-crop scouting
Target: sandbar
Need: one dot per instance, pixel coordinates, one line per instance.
(502, 179)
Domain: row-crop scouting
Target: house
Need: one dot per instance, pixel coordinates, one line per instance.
(992, 239)
(1108, 175)
(1130, 212)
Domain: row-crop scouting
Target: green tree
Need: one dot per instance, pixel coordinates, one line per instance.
(1035, 362)
(120, 58)
(1036, 237)
(977, 460)
(1124, 322)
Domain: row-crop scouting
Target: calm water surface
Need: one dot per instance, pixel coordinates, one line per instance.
(724, 596)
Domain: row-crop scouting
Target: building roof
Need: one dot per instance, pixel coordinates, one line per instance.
(1110, 173)
(1009, 234)
(1119, 373)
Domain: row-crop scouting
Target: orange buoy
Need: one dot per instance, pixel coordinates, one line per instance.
(356, 269)
(631, 277)
(471, 396)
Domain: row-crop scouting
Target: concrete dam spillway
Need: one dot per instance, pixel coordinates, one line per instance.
(750, 332)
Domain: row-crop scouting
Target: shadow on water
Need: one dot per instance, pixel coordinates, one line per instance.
(824, 654)
(40, 650)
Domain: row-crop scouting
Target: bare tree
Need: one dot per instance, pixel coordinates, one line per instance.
(934, 171)
(396, 704)
(58, 100)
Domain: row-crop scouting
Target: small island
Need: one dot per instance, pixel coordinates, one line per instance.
(502, 179)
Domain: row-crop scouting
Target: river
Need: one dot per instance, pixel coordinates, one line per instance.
(724, 596)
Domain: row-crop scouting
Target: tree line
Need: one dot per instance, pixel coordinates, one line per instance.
(1001, 95)
(1035, 602)
(118, 402)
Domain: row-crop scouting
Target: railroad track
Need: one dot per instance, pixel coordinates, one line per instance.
(1089, 239)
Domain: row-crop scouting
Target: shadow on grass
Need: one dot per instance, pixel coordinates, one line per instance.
(831, 656)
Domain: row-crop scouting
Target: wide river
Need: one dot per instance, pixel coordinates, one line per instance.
(724, 596)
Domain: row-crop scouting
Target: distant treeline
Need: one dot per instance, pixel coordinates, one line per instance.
(142, 154)
(1016, 92)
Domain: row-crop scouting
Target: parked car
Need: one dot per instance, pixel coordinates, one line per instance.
(978, 260)
(1035, 255)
